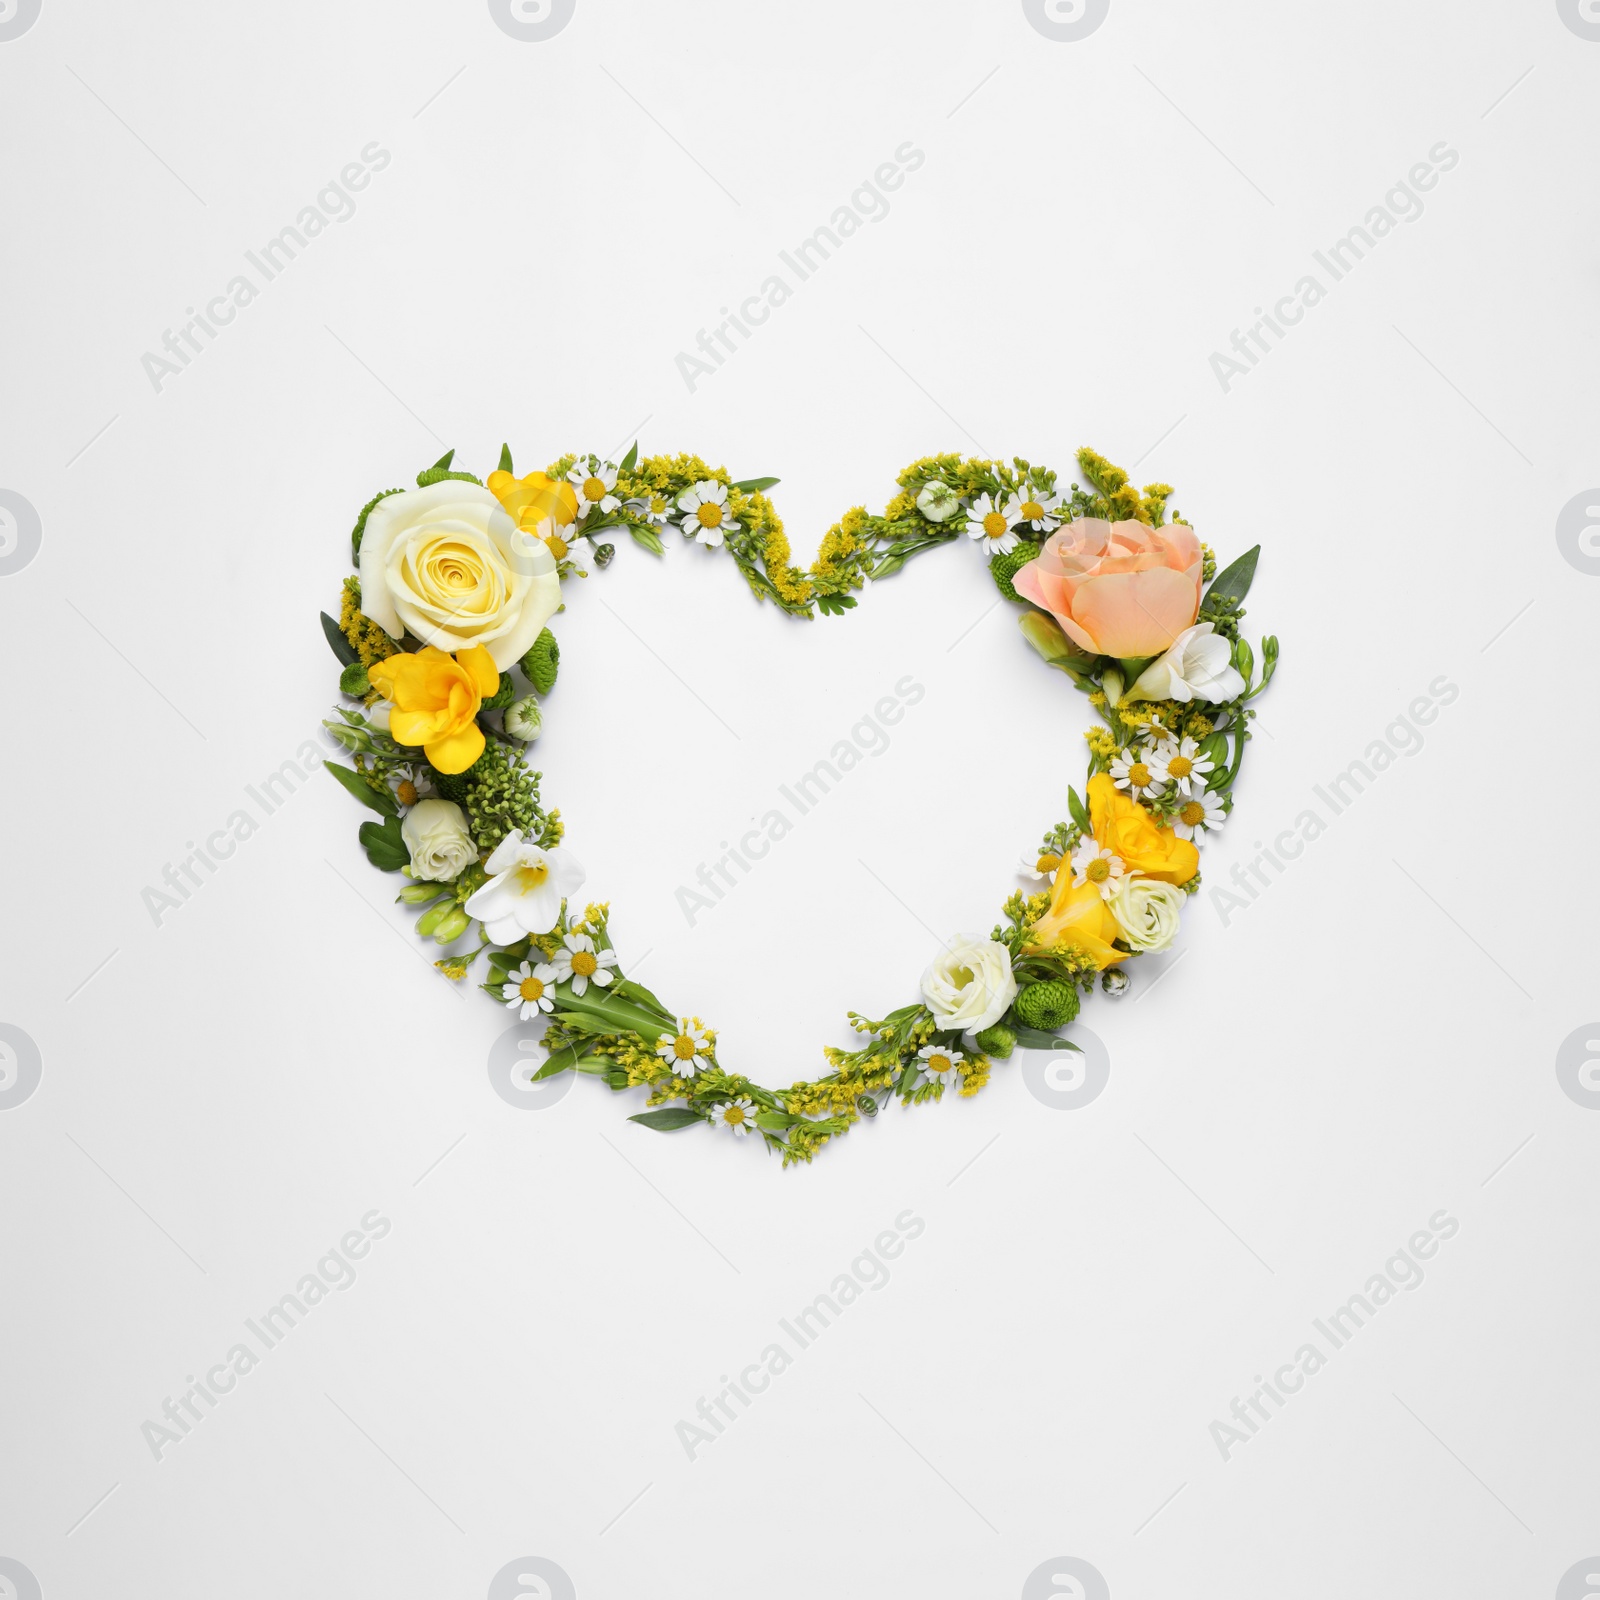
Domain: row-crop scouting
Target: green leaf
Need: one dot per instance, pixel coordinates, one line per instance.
(337, 642)
(505, 458)
(1233, 582)
(385, 847)
(383, 802)
(647, 537)
(562, 1060)
(627, 463)
(604, 1013)
(353, 680)
(835, 605)
(756, 485)
(630, 990)
(443, 463)
(1079, 812)
(1132, 666)
(775, 1121)
(668, 1119)
(1039, 1039)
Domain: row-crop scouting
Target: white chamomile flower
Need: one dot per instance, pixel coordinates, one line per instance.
(580, 964)
(580, 552)
(737, 1116)
(1179, 762)
(1136, 771)
(1040, 510)
(1200, 813)
(990, 523)
(941, 1063)
(687, 1051)
(705, 508)
(527, 990)
(656, 509)
(1037, 867)
(410, 783)
(594, 484)
(1092, 864)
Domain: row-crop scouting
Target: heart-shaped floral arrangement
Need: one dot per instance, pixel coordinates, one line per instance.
(447, 659)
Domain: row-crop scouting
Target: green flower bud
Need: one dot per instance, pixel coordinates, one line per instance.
(419, 894)
(1048, 1005)
(541, 661)
(451, 926)
(430, 920)
(998, 1041)
(353, 680)
(502, 695)
(603, 554)
(523, 719)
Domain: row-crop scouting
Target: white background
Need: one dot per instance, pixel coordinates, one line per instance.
(1371, 1041)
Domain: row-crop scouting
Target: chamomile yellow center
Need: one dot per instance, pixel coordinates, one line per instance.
(530, 876)
(594, 489)
(1192, 813)
(1098, 870)
(683, 1047)
(531, 988)
(710, 515)
(406, 792)
(994, 524)
(1139, 774)
(733, 1116)
(939, 1063)
(1032, 511)
(558, 546)
(583, 963)
(1047, 863)
(1180, 766)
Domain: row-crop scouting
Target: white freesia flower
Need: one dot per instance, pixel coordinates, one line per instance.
(448, 564)
(580, 964)
(937, 501)
(525, 889)
(436, 834)
(1197, 666)
(1146, 910)
(970, 984)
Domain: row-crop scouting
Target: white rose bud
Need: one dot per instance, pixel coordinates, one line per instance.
(938, 502)
(970, 985)
(523, 719)
(435, 832)
(1147, 910)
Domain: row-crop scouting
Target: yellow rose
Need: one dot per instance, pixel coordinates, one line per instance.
(1126, 829)
(448, 565)
(436, 702)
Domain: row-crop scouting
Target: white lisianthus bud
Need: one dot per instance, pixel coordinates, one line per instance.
(1146, 910)
(435, 832)
(524, 720)
(970, 985)
(1111, 682)
(938, 502)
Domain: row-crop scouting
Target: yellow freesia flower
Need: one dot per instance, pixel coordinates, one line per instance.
(435, 702)
(528, 501)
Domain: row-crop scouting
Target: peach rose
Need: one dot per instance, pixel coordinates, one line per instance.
(1117, 588)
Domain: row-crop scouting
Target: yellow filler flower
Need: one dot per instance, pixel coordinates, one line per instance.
(436, 699)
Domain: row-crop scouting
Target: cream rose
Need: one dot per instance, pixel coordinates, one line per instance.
(1146, 910)
(448, 564)
(435, 832)
(970, 985)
